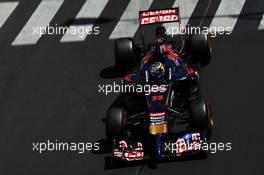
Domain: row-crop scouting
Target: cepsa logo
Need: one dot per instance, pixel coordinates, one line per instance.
(159, 16)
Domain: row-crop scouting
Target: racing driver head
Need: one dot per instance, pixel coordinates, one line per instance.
(157, 71)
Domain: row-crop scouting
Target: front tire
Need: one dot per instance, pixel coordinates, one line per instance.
(201, 116)
(115, 123)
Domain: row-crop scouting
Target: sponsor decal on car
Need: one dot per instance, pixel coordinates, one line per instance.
(186, 143)
(159, 16)
(157, 114)
(128, 152)
(157, 98)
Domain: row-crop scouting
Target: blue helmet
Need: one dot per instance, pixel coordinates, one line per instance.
(157, 70)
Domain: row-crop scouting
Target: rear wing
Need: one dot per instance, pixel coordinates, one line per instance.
(159, 16)
(168, 15)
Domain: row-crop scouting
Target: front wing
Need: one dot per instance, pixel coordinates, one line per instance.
(135, 150)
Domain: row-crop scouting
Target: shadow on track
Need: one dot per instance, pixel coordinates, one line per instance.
(112, 72)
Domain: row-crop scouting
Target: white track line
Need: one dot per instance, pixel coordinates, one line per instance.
(226, 8)
(91, 9)
(40, 18)
(261, 25)
(186, 10)
(128, 23)
(6, 8)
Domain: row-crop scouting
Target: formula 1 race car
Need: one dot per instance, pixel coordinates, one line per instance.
(171, 120)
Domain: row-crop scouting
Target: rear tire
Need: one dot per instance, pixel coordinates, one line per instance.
(124, 52)
(200, 47)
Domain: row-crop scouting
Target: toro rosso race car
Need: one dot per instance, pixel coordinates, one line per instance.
(170, 119)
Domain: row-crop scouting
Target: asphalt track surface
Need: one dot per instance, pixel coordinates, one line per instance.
(50, 91)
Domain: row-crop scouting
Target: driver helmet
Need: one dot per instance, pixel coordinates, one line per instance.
(157, 70)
